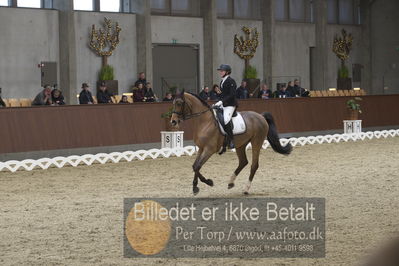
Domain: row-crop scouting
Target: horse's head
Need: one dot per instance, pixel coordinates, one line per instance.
(179, 109)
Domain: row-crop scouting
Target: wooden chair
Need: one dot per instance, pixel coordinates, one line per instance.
(341, 93)
(332, 93)
(318, 93)
(95, 99)
(25, 102)
(312, 93)
(14, 102)
(324, 93)
(362, 92)
(346, 92)
(116, 98)
(352, 93)
(6, 102)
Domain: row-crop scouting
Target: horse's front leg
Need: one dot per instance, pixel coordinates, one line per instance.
(202, 157)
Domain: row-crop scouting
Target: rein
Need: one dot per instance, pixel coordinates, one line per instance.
(187, 117)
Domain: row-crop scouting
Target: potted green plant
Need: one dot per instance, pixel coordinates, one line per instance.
(354, 108)
(251, 76)
(107, 76)
(167, 116)
(344, 82)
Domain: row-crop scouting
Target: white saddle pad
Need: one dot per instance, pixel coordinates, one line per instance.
(239, 126)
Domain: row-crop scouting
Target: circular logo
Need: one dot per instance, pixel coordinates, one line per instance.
(147, 232)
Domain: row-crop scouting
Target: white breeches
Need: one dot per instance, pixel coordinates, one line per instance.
(228, 113)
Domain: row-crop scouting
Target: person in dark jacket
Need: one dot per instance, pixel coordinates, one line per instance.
(123, 100)
(264, 92)
(141, 79)
(242, 91)
(102, 94)
(85, 96)
(138, 93)
(44, 97)
(216, 93)
(168, 97)
(228, 102)
(290, 89)
(2, 103)
(205, 94)
(283, 93)
(299, 91)
(57, 97)
(149, 94)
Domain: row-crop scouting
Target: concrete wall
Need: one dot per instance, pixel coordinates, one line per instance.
(385, 46)
(291, 54)
(226, 29)
(123, 59)
(355, 56)
(184, 30)
(27, 37)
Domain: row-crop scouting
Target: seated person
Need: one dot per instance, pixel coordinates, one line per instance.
(102, 94)
(85, 96)
(57, 97)
(242, 92)
(141, 79)
(44, 97)
(282, 92)
(2, 103)
(124, 99)
(149, 94)
(290, 89)
(205, 94)
(216, 93)
(138, 93)
(264, 92)
(299, 91)
(168, 97)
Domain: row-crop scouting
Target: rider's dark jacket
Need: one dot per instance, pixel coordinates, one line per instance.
(228, 89)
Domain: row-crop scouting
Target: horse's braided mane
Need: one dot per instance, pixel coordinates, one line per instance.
(200, 99)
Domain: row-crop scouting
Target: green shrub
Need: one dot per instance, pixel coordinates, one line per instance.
(106, 73)
(343, 72)
(250, 73)
(354, 105)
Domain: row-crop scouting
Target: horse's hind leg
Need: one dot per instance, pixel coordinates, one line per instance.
(202, 157)
(254, 166)
(242, 162)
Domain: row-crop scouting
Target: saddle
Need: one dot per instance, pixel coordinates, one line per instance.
(237, 122)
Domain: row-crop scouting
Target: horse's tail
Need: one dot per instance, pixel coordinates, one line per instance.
(273, 138)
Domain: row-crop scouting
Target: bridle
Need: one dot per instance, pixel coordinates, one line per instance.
(183, 115)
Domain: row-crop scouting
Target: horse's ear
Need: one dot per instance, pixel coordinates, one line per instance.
(182, 93)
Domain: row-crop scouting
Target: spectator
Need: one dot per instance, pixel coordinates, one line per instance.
(282, 92)
(141, 79)
(57, 97)
(299, 91)
(44, 97)
(124, 99)
(242, 91)
(138, 93)
(205, 94)
(2, 103)
(149, 94)
(290, 89)
(85, 96)
(102, 94)
(264, 92)
(168, 97)
(216, 93)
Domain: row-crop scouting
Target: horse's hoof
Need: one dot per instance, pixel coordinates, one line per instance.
(209, 182)
(195, 190)
(246, 193)
(230, 186)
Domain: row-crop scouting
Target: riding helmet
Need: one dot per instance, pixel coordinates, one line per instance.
(225, 67)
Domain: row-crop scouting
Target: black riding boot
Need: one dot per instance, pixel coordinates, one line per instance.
(229, 131)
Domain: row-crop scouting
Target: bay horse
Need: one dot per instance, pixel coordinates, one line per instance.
(209, 139)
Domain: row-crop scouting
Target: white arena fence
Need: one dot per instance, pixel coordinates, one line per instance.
(128, 156)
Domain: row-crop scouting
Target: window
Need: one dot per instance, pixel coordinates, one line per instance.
(83, 5)
(346, 12)
(279, 12)
(297, 10)
(294, 10)
(247, 9)
(175, 7)
(332, 11)
(29, 3)
(3, 2)
(110, 5)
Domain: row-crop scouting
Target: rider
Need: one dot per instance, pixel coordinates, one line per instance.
(228, 101)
